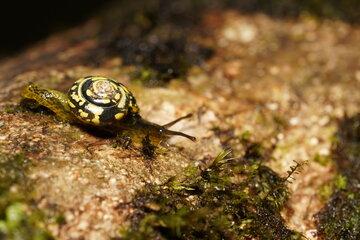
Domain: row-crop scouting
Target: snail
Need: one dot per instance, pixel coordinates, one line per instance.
(103, 103)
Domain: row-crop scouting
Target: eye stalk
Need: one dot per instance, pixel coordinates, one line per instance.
(173, 133)
(164, 128)
(156, 130)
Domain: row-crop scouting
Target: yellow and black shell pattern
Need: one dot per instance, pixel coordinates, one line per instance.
(100, 100)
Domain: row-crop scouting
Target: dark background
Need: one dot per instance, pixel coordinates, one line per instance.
(25, 22)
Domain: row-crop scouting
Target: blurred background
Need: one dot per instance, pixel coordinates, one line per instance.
(25, 22)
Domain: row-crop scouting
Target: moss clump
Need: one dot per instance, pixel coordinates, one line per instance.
(232, 198)
(20, 222)
(18, 218)
(323, 160)
(340, 218)
(338, 183)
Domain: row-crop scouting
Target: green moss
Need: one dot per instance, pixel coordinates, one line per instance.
(145, 76)
(340, 218)
(323, 160)
(245, 136)
(338, 183)
(19, 223)
(12, 109)
(19, 219)
(233, 198)
(325, 191)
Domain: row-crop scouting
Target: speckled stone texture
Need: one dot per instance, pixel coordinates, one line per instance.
(286, 81)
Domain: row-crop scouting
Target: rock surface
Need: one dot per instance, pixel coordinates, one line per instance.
(287, 82)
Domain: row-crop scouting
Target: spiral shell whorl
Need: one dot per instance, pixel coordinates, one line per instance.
(100, 100)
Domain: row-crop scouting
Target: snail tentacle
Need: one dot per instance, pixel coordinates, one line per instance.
(177, 120)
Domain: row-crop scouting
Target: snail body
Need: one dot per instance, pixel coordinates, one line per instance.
(101, 102)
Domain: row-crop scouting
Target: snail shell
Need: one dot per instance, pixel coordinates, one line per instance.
(100, 100)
